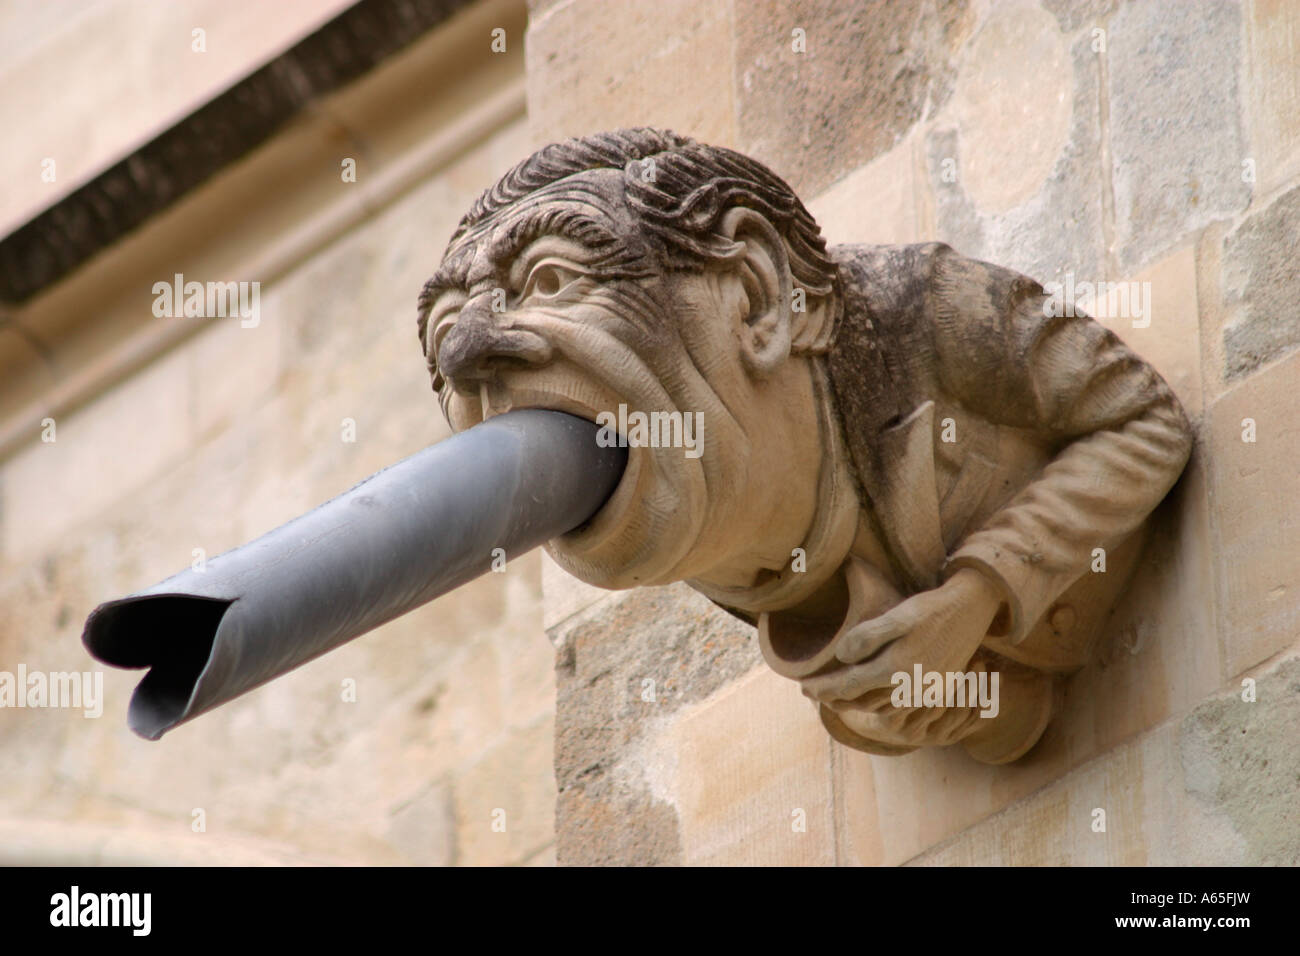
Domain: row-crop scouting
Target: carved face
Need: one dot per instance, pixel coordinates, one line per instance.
(559, 301)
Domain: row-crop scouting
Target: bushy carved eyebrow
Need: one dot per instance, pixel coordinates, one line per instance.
(608, 256)
(581, 228)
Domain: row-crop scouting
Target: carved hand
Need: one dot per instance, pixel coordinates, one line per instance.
(939, 629)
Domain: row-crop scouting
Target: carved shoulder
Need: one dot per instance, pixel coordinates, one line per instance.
(886, 329)
(987, 336)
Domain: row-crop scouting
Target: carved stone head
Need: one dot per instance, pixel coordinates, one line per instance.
(642, 270)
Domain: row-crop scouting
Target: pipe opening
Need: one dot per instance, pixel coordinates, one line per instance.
(173, 635)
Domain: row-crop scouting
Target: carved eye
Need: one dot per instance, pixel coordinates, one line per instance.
(549, 279)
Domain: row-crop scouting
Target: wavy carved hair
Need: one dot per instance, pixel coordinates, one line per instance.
(691, 186)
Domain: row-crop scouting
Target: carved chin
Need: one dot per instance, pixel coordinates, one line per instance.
(647, 529)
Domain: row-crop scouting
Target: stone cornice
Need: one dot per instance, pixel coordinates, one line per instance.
(63, 237)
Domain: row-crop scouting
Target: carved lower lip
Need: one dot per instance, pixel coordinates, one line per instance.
(576, 409)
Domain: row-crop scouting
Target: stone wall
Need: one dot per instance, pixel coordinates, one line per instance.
(1095, 141)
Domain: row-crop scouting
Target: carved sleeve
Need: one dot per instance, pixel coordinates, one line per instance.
(1120, 437)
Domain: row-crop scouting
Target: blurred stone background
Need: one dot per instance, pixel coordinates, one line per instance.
(231, 431)
(1101, 139)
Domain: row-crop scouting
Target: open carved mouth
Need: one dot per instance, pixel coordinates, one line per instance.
(578, 397)
(651, 522)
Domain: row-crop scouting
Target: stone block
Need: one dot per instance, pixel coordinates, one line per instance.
(611, 822)
(1214, 788)
(1273, 87)
(1261, 286)
(1177, 142)
(750, 777)
(1024, 194)
(235, 368)
(1075, 14)
(36, 842)
(505, 803)
(1209, 296)
(600, 66)
(1240, 763)
(1055, 825)
(101, 452)
(543, 857)
(877, 203)
(455, 714)
(1253, 490)
(424, 828)
(845, 88)
(859, 840)
(896, 807)
(622, 668)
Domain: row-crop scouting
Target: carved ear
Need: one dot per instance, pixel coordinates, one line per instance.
(764, 273)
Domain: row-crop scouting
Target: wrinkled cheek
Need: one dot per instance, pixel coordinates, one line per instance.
(631, 362)
(461, 411)
(642, 322)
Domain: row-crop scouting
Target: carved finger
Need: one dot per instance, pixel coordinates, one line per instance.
(875, 701)
(867, 638)
(825, 688)
(845, 684)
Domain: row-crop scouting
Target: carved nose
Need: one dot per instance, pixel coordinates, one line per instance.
(475, 347)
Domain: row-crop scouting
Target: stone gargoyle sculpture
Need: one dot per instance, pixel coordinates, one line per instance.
(907, 463)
